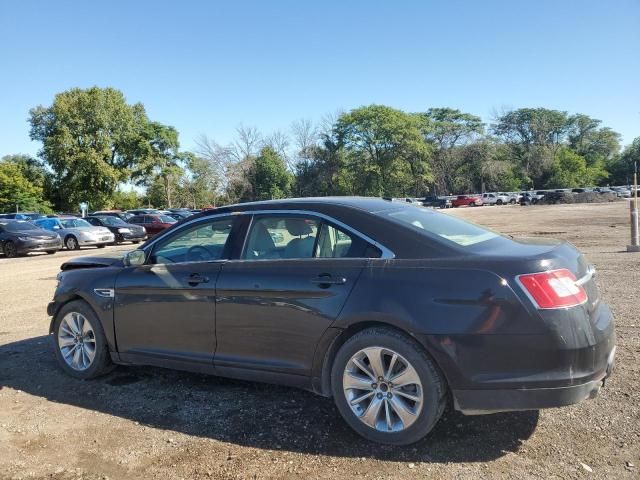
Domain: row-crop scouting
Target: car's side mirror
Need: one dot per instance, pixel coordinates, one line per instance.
(134, 258)
(56, 227)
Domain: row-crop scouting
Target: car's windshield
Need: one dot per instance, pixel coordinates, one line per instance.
(112, 221)
(445, 226)
(75, 223)
(18, 226)
(167, 219)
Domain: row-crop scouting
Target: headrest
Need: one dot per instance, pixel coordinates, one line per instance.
(297, 227)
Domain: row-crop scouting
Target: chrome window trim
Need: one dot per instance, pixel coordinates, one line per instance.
(386, 254)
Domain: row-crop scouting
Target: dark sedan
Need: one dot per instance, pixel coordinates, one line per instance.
(19, 237)
(123, 231)
(391, 309)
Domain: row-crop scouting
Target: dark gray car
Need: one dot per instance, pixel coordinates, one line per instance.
(19, 237)
(391, 309)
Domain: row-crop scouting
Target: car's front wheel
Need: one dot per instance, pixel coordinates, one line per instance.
(10, 250)
(71, 243)
(386, 387)
(79, 341)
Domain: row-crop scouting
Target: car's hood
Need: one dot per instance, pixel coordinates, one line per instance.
(92, 262)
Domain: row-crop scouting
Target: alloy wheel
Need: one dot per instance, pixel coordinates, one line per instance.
(77, 341)
(383, 389)
(71, 243)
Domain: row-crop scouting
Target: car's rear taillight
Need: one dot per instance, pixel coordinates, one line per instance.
(553, 289)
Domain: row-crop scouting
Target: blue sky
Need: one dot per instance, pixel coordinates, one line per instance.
(206, 67)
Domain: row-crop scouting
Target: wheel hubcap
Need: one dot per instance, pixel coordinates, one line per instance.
(71, 244)
(77, 341)
(382, 389)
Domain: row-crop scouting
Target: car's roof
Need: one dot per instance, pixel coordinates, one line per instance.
(367, 204)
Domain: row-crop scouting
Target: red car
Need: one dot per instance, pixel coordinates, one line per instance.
(468, 200)
(152, 223)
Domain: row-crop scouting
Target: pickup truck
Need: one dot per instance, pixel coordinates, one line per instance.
(466, 200)
(495, 199)
(436, 202)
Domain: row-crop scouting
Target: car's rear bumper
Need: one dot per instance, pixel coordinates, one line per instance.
(491, 373)
(480, 402)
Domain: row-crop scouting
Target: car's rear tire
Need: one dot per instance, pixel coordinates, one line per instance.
(135, 242)
(474, 204)
(10, 249)
(101, 246)
(362, 383)
(79, 341)
(512, 201)
(499, 202)
(71, 243)
(51, 252)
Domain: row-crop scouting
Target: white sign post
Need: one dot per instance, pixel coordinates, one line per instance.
(83, 208)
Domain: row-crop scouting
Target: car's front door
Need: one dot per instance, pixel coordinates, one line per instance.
(291, 282)
(165, 309)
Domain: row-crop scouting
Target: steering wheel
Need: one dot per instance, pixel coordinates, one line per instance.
(199, 253)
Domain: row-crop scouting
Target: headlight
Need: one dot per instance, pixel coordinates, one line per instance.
(144, 230)
(124, 230)
(25, 239)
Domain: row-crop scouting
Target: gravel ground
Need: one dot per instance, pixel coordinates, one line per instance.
(154, 423)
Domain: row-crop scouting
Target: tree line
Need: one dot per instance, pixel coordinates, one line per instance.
(96, 147)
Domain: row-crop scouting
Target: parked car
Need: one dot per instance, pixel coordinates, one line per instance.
(144, 211)
(19, 237)
(23, 216)
(124, 216)
(513, 197)
(436, 202)
(122, 231)
(355, 302)
(77, 232)
(466, 200)
(153, 224)
(580, 190)
(494, 199)
(178, 215)
(622, 192)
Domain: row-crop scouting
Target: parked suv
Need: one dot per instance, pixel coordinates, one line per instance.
(153, 224)
(436, 202)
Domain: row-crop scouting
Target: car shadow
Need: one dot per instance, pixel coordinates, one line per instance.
(251, 414)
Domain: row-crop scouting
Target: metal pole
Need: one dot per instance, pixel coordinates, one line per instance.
(633, 205)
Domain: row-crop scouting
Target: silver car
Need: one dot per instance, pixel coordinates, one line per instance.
(76, 232)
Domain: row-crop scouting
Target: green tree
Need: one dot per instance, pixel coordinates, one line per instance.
(534, 135)
(269, 176)
(199, 185)
(571, 170)
(621, 168)
(387, 154)
(126, 200)
(17, 192)
(447, 129)
(92, 140)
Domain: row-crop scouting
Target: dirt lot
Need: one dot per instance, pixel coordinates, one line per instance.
(153, 423)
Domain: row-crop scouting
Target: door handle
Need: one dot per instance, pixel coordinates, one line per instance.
(326, 280)
(196, 278)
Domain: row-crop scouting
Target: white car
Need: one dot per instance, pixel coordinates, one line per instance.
(495, 199)
(77, 232)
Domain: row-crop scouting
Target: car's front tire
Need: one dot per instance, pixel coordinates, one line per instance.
(10, 249)
(79, 341)
(386, 387)
(71, 243)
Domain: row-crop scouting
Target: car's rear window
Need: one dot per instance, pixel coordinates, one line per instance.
(442, 225)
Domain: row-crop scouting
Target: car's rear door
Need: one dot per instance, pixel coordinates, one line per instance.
(276, 300)
(165, 309)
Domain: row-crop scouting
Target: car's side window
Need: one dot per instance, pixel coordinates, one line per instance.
(280, 236)
(202, 242)
(334, 242)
